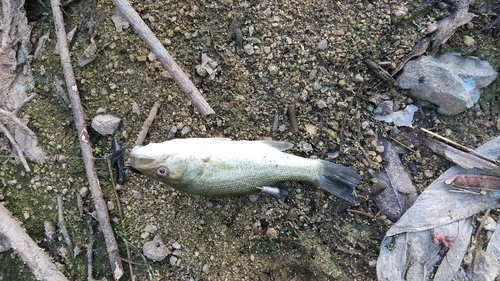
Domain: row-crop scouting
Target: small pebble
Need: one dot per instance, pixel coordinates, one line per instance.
(469, 41)
(316, 85)
(490, 224)
(273, 69)
(311, 129)
(428, 174)
(171, 133)
(358, 78)
(321, 104)
(399, 14)
(205, 268)
(323, 44)
(253, 197)
(136, 109)
(249, 49)
(271, 233)
(176, 245)
(307, 147)
(151, 228)
(185, 130)
(173, 260)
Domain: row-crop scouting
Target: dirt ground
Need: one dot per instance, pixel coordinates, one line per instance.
(306, 54)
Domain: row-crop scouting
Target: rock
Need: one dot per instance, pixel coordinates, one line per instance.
(317, 85)
(208, 66)
(185, 130)
(176, 245)
(205, 268)
(307, 147)
(273, 69)
(321, 104)
(452, 82)
(105, 124)
(384, 108)
(358, 78)
(173, 260)
(171, 133)
(399, 118)
(469, 41)
(150, 228)
(136, 109)
(323, 44)
(399, 14)
(311, 129)
(249, 49)
(155, 250)
(272, 233)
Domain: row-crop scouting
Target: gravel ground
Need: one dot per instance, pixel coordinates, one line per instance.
(303, 54)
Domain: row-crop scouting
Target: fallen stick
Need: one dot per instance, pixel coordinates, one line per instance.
(15, 146)
(149, 121)
(164, 57)
(34, 257)
(62, 225)
(83, 137)
(90, 247)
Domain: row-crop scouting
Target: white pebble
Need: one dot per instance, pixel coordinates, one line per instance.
(323, 44)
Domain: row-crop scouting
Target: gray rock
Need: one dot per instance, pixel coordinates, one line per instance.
(323, 44)
(150, 228)
(452, 82)
(105, 124)
(155, 250)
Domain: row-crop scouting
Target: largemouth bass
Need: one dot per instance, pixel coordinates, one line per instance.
(221, 167)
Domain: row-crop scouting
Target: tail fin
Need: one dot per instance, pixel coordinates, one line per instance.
(339, 181)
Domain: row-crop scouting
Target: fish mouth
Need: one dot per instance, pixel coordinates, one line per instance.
(137, 164)
(141, 161)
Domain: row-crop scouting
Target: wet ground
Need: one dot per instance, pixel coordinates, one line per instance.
(302, 54)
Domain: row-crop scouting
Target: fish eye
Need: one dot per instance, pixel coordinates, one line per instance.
(162, 172)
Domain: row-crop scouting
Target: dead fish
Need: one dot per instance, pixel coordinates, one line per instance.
(222, 167)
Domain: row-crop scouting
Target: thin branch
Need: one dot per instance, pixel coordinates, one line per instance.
(149, 121)
(15, 147)
(23, 103)
(62, 225)
(164, 57)
(83, 136)
(17, 121)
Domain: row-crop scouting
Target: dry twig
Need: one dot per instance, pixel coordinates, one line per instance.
(149, 121)
(164, 57)
(97, 196)
(15, 146)
(62, 225)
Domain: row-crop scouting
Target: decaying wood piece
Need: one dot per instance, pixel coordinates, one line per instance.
(83, 137)
(164, 57)
(35, 258)
(463, 159)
